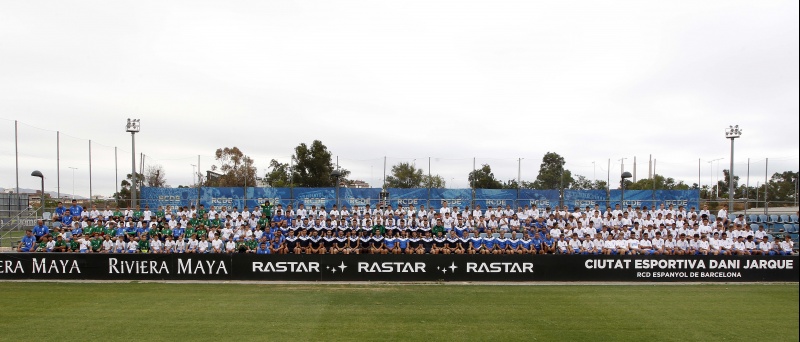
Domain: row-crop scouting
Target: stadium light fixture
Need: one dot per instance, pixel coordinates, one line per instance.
(39, 174)
(625, 175)
(732, 132)
(133, 127)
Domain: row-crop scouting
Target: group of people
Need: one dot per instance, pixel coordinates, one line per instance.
(272, 229)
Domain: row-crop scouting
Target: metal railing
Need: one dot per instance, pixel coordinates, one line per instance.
(16, 223)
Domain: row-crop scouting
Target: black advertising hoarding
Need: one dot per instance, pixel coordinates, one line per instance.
(398, 267)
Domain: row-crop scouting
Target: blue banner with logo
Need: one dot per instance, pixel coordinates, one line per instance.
(350, 197)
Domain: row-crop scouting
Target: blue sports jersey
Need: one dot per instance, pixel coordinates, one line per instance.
(40, 231)
(262, 250)
(66, 220)
(489, 242)
(537, 243)
(77, 231)
(28, 242)
(403, 242)
(476, 242)
(389, 242)
(502, 243)
(514, 243)
(76, 210)
(525, 243)
(177, 232)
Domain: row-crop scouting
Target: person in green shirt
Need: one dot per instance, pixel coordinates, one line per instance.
(263, 222)
(144, 244)
(241, 246)
(205, 221)
(215, 223)
(439, 227)
(266, 211)
(117, 213)
(378, 228)
(166, 231)
(252, 245)
(201, 231)
(202, 211)
(189, 231)
(74, 246)
(61, 245)
(194, 220)
(96, 243)
(41, 246)
(160, 213)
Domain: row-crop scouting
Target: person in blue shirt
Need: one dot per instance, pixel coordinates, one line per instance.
(262, 249)
(549, 246)
(58, 213)
(490, 244)
(502, 243)
(66, 219)
(40, 230)
(475, 244)
(27, 243)
(77, 231)
(536, 242)
(75, 209)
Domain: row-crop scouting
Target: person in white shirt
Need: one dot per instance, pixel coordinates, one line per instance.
(155, 246)
(764, 247)
(645, 245)
(119, 245)
(132, 246)
(609, 247)
(739, 247)
(723, 213)
(230, 246)
(562, 246)
(705, 212)
(787, 246)
(202, 245)
(169, 245)
(575, 245)
(622, 245)
(180, 246)
(108, 245)
(216, 245)
(670, 245)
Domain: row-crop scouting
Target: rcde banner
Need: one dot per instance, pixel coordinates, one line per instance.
(252, 197)
(398, 267)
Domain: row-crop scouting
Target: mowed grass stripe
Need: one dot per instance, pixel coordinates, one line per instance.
(221, 312)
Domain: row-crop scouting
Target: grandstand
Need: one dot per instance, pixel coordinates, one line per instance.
(399, 229)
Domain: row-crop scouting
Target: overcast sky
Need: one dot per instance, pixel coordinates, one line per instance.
(450, 80)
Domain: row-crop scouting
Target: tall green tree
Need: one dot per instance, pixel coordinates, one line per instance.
(433, 181)
(405, 175)
(313, 166)
(552, 174)
(278, 175)
(236, 168)
(661, 183)
(483, 178)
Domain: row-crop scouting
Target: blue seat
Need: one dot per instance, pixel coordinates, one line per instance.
(773, 219)
(753, 218)
(731, 217)
(754, 226)
(795, 237)
(712, 218)
(793, 218)
(762, 218)
(783, 219)
(787, 227)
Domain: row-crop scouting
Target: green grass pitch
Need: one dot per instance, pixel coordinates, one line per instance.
(267, 312)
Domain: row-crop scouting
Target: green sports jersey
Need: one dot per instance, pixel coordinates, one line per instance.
(266, 210)
(263, 222)
(74, 245)
(214, 223)
(194, 222)
(160, 213)
(96, 244)
(240, 244)
(206, 223)
(41, 246)
(144, 245)
(252, 244)
(201, 232)
(61, 243)
(378, 228)
(189, 232)
(166, 231)
(437, 229)
(117, 214)
(110, 231)
(201, 213)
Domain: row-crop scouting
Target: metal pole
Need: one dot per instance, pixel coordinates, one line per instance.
(73, 181)
(747, 189)
(608, 182)
(133, 170)
(519, 179)
(16, 157)
(730, 182)
(291, 179)
(766, 187)
(90, 171)
(116, 172)
(246, 173)
(384, 172)
(654, 181)
(634, 169)
(199, 182)
(58, 163)
(699, 183)
(430, 181)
